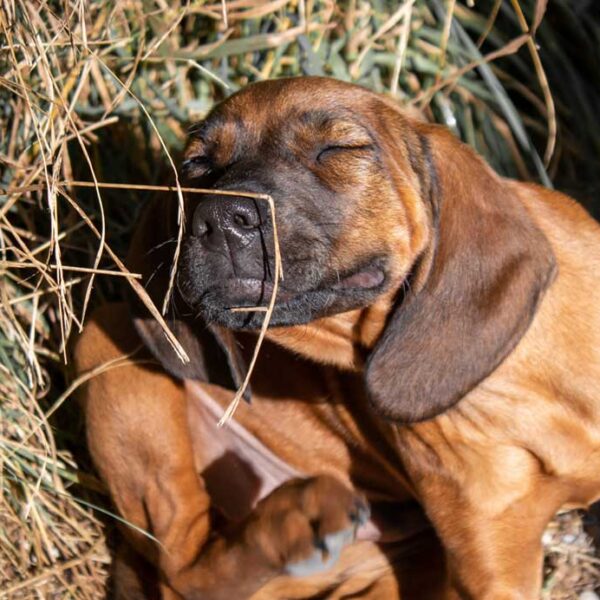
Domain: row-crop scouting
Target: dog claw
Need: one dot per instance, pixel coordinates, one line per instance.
(315, 563)
(336, 542)
(362, 514)
(326, 554)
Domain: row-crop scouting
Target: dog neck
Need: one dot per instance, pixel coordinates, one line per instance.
(342, 340)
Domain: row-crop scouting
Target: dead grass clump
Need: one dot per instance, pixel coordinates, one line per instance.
(49, 540)
(572, 566)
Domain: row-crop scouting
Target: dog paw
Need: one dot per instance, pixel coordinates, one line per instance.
(302, 527)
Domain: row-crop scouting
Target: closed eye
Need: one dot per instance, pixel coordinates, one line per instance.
(333, 149)
(196, 166)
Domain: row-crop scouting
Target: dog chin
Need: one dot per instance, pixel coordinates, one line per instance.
(302, 308)
(230, 302)
(290, 309)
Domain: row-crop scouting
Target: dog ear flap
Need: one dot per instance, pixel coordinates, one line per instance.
(479, 285)
(213, 351)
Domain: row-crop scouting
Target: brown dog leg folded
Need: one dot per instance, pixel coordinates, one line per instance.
(139, 439)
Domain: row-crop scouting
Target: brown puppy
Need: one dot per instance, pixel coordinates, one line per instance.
(435, 337)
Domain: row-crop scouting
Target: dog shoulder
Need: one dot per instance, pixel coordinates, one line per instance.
(107, 335)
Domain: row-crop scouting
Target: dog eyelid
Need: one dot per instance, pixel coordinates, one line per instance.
(195, 166)
(334, 148)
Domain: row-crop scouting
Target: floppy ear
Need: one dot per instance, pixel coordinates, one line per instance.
(479, 285)
(213, 351)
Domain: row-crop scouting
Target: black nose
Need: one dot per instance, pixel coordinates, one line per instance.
(225, 219)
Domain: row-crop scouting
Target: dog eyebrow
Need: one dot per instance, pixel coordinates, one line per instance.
(341, 122)
(205, 128)
(318, 118)
(197, 130)
(221, 136)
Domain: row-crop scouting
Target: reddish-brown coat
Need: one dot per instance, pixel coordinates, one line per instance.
(489, 471)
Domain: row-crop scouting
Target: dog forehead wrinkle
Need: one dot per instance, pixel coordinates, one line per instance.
(328, 118)
(316, 117)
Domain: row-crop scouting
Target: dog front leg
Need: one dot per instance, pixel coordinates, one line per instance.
(490, 518)
(138, 437)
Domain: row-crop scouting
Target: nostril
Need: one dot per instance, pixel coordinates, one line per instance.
(242, 221)
(203, 228)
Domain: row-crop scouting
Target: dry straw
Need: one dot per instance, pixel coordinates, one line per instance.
(103, 91)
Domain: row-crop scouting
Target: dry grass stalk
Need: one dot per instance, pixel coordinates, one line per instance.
(265, 324)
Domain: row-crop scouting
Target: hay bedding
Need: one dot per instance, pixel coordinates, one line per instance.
(103, 91)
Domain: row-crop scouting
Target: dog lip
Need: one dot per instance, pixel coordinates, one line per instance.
(245, 292)
(365, 279)
(248, 291)
(242, 289)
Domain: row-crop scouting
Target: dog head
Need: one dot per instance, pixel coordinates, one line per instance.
(321, 149)
(369, 204)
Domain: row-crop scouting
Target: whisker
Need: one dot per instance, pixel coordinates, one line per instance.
(173, 240)
(147, 283)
